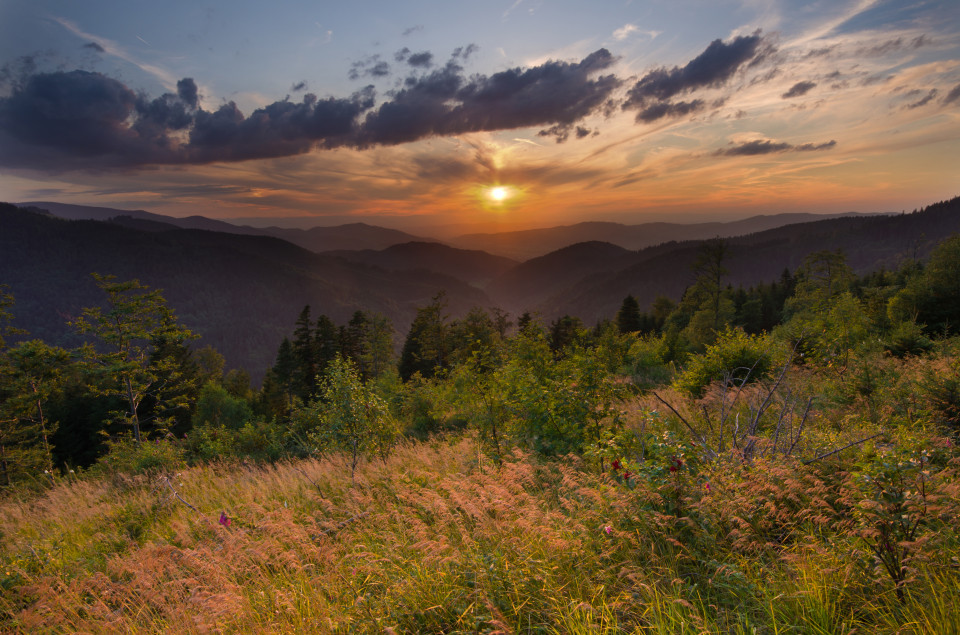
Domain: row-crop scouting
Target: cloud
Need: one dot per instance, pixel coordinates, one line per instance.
(766, 146)
(84, 120)
(663, 109)
(413, 29)
(68, 120)
(799, 89)
(421, 60)
(953, 95)
(299, 86)
(651, 94)
(923, 101)
(372, 66)
(444, 103)
(629, 29)
(94, 46)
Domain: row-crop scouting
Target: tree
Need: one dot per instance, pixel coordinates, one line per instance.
(628, 317)
(30, 374)
(425, 350)
(933, 296)
(6, 317)
(707, 301)
(305, 370)
(822, 277)
(352, 417)
(126, 331)
(564, 332)
(378, 351)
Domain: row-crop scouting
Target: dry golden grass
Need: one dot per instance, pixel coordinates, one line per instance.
(437, 539)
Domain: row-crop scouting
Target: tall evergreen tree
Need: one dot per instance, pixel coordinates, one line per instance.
(426, 348)
(628, 317)
(305, 369)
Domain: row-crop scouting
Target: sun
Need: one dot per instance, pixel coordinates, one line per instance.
(499, 194)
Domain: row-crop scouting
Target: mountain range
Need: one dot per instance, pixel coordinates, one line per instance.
(241, 288)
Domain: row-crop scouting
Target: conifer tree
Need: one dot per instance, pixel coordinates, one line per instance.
(628, 317)
(126, 333)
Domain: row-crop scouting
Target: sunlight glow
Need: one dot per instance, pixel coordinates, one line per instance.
(499, 194)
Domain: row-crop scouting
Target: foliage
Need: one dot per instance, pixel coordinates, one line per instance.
(736, 358)
(126, 456)
(134, 323)
(351, 417)
(932, 298)
(30, 375)
(425, 350)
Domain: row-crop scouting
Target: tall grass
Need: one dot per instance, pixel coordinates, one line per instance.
(436, 539)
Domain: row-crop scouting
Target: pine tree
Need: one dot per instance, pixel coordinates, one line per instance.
(305, 368)
(628, 317)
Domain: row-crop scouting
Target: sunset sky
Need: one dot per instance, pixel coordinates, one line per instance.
(480, 115)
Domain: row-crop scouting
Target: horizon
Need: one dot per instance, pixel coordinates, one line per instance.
(505, 117)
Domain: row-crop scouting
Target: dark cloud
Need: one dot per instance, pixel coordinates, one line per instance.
(95, 47)
(370, 67)
(711, 68)
(424, 59)
(923, 101)
(663, 109)
(421, 60)
(464, 52)
(413, 29)
(187, 91)
(651, 95)
(299, 86)
(83, 120)
(445, 103)
(759, 147)
(799, 89)
(953, 95)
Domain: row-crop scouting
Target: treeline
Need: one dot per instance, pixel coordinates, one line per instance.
(140, 392)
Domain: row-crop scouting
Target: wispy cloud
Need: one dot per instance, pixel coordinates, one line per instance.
(110, 47)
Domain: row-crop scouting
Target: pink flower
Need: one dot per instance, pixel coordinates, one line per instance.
(224, 520)
(708, 488)
(608, 529)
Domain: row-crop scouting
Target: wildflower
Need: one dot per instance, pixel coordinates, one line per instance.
(627, 475)
(616, 465)
(708, 488)
(224, 520)
(675, 464)
(608, 529)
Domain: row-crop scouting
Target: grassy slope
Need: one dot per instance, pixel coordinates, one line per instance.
(434, 541)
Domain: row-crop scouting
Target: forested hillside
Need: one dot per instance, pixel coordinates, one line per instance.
(238, 292)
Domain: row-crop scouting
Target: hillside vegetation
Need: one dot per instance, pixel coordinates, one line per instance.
(780, 458)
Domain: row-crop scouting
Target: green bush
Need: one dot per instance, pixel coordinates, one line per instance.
(736, 357)
(126, 455)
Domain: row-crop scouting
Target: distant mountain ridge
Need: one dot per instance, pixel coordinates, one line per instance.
(242, 293)
(316, 239)
(531, 243)
(475, 267)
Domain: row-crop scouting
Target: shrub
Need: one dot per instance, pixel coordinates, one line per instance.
(735, 357)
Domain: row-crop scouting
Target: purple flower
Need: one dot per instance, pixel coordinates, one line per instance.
(224, 520)
(608, 529)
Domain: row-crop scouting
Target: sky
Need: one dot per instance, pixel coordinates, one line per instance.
(480, 116)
